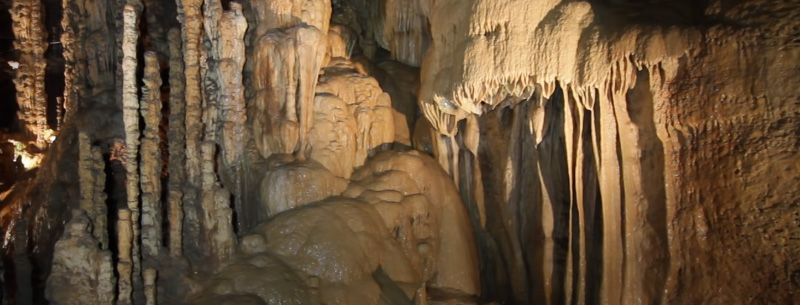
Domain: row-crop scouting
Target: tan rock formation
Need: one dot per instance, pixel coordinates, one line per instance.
(125, 260)
(92, 178)
(218, 236)
(130, 115)
(368, 104)
(291, 183)
(286, 69)
(418, 201)
(29, 31)
(82, 273)
(333, 136)
(151, 165)
(177, 141)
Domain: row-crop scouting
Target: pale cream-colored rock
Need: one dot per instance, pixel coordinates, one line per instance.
(124, 263)
(149, 276)
(190, 16)
(369, 105)
(30, 40)
(231, 52)
(333, 136)
(273, 14)
(412, 173)
(292, 183)
(338, 244)
(130, 116)
(287, 62)
(81, 273)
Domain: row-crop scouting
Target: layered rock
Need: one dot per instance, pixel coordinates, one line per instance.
(78, 263)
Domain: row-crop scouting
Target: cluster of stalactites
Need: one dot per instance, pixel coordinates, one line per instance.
(212, 109)
(460, 77)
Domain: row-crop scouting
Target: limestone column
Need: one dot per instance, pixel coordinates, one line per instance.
(218, 236)
(92, 178)
(231, 50)
(191, 19)
(130, 114)
(124, 263)
(100, 219)
(26, 16)
(151, 166)
(150, 286)
(175, 136)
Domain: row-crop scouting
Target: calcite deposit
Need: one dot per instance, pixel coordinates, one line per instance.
(400, 152)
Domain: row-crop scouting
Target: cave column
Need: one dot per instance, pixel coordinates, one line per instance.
(31, 42)
(124, 263)
(130, 115)
(151, 166)
(191, 19)
(92, 179)
(175, 136)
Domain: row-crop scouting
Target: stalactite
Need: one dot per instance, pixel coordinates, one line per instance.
(151, 167)
(31, 41)
(607, 152)
(177, 140)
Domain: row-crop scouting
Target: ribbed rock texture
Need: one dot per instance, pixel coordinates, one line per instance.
(403, 152)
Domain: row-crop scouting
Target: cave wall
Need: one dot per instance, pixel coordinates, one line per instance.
(607, 152)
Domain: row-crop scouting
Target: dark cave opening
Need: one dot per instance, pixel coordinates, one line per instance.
(8, 104)
(54, 55)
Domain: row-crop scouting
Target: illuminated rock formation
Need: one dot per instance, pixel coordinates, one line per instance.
(401, 152)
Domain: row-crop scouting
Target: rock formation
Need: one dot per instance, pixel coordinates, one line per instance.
(400, 152)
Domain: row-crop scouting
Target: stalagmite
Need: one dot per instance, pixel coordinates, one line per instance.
(80, 265)
(29, 31)
(151, 167)
(218, 236)
(177, 140)
(92, 178)
(150, 286)
(124, 263)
